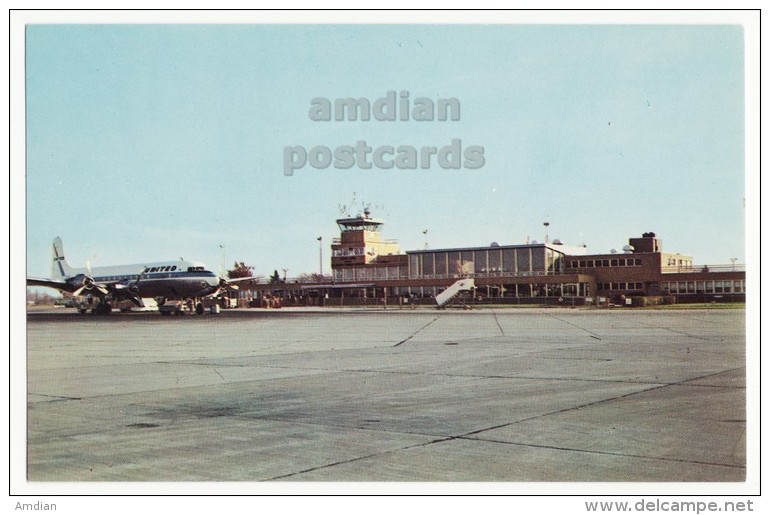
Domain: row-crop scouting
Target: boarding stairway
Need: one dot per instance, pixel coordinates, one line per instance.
(450, 293)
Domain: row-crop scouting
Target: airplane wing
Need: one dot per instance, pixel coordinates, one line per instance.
(241, 279)
(81, 285)
(230, 283)
(50, 283)
(75, 285)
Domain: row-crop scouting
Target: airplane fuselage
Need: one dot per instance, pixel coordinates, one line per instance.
(169, 279)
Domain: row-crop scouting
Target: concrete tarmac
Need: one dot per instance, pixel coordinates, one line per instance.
(515, 395)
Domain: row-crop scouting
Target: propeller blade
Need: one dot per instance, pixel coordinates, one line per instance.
(139, 276)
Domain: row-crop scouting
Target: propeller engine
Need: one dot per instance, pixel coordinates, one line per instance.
(225, 285)
(86, 283)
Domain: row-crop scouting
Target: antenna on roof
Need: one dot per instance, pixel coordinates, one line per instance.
(345, 210)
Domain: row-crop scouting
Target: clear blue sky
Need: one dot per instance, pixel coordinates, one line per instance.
(152, 142)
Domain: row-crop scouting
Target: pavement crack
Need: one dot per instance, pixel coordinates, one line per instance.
(605, 453)
(217, 371)
(416, 332)
(497, 321)
(594, 403)
(358, 458)
(684, 333)
(590, 333)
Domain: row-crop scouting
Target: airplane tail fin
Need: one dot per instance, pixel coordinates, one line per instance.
(60, 269)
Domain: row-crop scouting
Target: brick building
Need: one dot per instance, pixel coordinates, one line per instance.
(366, 268)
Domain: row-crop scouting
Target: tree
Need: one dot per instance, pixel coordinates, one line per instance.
(35, 296)
(240, 270)
(275, 278)
(312, 278)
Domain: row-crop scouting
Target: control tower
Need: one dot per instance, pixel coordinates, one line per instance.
(361, 241)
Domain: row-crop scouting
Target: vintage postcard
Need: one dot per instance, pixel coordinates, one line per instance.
(369, 252)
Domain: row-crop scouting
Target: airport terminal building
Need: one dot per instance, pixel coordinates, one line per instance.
(368, 269)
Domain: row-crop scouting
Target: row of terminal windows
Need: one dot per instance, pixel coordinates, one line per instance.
(369, 273)
(620, 286)
(602, 263)
(353, 251)
(487, 261)
(511, 290)
(684, 287)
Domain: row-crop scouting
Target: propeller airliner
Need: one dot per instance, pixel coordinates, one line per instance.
(164, 280)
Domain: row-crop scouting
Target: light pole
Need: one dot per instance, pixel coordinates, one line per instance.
(733, 260)
(546, 224)
(321, 256)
